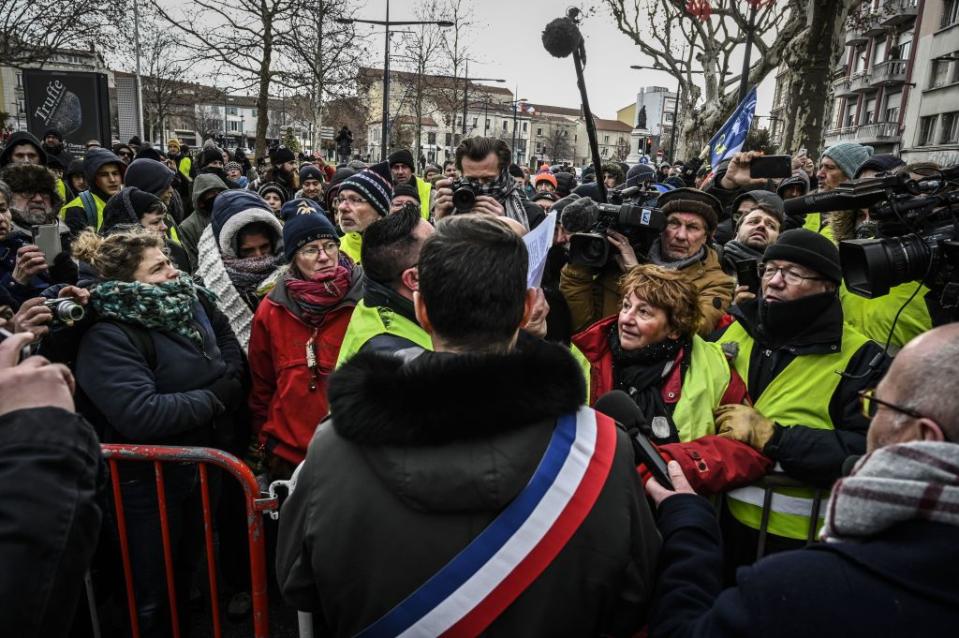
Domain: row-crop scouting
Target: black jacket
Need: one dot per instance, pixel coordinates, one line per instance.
(808, 454)
(418, 459)
(51, 470)
(899, 583)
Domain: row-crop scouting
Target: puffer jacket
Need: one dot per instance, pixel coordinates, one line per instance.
(592, 296)
(287, 400)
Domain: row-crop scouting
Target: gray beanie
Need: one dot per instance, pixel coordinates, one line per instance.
(849, 156)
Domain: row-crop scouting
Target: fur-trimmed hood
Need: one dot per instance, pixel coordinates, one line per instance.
(439, 398)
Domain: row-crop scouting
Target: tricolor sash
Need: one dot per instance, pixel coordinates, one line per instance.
(480, 582)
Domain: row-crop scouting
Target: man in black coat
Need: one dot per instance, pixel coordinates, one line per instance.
(424, 452)
(52, 471)
(889, 564)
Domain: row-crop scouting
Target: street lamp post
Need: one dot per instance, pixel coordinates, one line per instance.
(515, 104)
(385, 127)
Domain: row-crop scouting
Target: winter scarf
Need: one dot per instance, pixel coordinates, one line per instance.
(640, 374)
(656, 257)
(167, 306)
(248, 273)
(313, 298)
(895, 484)
(504, 190)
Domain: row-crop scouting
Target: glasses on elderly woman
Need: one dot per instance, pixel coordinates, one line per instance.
(329, 248)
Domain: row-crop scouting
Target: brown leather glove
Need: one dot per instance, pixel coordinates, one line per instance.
(743, 423)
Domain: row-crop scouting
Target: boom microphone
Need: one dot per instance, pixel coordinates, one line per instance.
(561, 37)
(831, 201)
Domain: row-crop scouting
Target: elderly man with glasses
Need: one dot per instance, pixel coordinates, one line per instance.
(804, 368)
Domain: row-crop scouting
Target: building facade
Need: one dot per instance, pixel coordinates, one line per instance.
(655, 114)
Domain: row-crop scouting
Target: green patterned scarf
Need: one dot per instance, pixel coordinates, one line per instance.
(167, 306)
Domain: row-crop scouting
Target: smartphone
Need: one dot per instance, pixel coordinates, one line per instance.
(47, 238)
(747, 274)
(646, 452)
(771, 166)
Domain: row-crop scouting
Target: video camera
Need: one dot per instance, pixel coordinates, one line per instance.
(633, 214)
(917, 228)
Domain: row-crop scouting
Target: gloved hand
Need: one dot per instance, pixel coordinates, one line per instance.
(743, 423)
(229, 392)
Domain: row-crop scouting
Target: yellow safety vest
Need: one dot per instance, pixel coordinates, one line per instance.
(352, 244)
(584, 365)
(184, 166)
(705, 384)
(874, 317)
(423, 188)
(368, 322)
(799, 395)
(77, 202)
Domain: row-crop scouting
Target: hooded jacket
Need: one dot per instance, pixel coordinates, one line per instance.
(232, 211)
(419, 458)
(128, 207)
(73, 213)
(287, 401)
(18, 138)
(193, 226)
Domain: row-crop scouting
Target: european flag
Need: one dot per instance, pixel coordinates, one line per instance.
(729, 139)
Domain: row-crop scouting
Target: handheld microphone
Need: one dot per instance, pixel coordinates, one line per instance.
(617, 405)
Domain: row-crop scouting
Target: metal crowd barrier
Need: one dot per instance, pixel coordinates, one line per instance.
(771, 482)
(256, 506)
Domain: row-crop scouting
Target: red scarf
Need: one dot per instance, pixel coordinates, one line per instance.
(314, 297)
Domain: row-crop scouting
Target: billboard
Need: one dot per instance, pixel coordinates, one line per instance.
(76, 104)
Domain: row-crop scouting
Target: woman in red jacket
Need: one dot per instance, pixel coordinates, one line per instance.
(296, 337)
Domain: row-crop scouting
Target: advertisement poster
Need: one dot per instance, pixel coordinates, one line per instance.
(76, 104)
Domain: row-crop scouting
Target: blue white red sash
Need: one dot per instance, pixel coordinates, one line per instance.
(480, 582)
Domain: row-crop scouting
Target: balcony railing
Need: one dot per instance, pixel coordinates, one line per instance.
(854, 34)
(878, 132)
(840, 88)
(859, 82)
(889, 72)
(893, 12)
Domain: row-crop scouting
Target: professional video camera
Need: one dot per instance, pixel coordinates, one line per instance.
(640, 224)
(917, 228)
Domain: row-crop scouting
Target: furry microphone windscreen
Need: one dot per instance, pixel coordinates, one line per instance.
(561, 37)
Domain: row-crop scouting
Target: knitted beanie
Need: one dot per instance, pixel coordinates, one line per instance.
(692, 200)
(374, 184)
(148, 175)
(848, 156)
(311, 172)
(174, 142)
(881, 163)
(544, 176)
(272, 187)
(809, 249)
(281, 155)
(302, 229)
(299, 206)
(406, 189)
(401, 156)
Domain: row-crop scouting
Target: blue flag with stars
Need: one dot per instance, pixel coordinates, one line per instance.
(729, 139)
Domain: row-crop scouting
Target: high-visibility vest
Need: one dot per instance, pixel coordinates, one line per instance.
(184, 166)
(92, 207)
(423, 188)
(706, 381)
(799, 395)
(352, 244)
(874, 317)
(368, 322)
(584, 365)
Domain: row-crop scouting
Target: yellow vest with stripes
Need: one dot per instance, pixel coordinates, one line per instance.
(703, 388)
(368, 322)
(799, 395)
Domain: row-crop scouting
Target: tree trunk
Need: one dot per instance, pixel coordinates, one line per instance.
(263, 96)
(809, 77)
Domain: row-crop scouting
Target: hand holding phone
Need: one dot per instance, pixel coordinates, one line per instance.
(747, 274)
(770, 167)
(30, 261)
(47, 239)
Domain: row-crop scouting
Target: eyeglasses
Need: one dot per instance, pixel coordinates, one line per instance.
(330, 249)
(870, 405)
(791, 277)
(352, 201)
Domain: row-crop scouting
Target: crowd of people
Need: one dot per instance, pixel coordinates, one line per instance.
(370, 333)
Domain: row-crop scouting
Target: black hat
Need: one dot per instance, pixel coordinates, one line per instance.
(281, 155)
(302, 229)
(565, 183)
(809, 249)
(516, 171)
(401, 156)
(149, 175)
(640, 173)
(311, 172)
(881, 163)
(553, 197)
(406, 189)
(210, 154)
(692, 200)
(767, 201)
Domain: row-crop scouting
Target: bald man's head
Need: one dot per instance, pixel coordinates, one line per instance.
(923, 378)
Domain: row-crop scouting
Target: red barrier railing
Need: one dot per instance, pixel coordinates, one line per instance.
(255, 507)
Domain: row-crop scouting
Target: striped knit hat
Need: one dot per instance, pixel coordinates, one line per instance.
(374, 184)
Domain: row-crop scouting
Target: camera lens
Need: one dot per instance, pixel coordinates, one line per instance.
(870, 267)
(588, 249)
(463, 199)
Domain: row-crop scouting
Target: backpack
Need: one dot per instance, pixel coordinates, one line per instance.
(90, 208)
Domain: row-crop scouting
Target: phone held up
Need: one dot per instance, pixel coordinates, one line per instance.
(770, 167)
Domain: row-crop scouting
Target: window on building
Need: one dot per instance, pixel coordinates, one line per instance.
(505, 125)
(449, 140)
(950, 13)
(879, 51)
(234, 125)
(927, 126)
(949, 133)
(524, 126)
(902, 46)
(431, 138)
(487, 124)
(539, 131)
(606, 139)
(850, 115)
(475, 122)
(231, 110)
(860, 59)
(668, 117)
(869, 111)
(459, 122)
(891, 112)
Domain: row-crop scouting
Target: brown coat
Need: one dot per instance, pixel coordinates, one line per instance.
(593, 296)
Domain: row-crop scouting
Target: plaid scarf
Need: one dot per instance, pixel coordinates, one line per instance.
(167, 306)
(894, 484)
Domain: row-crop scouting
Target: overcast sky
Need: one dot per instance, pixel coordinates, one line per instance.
(507, 43)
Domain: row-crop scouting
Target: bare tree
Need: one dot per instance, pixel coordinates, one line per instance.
(207, 121)
(163, 79)
(557, 145)
(324, 55)
(244, 38)
(706, 45)
(456, 59)
(31, 30)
